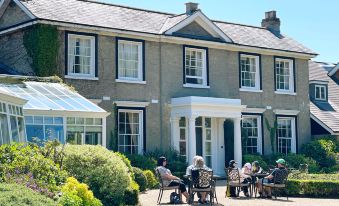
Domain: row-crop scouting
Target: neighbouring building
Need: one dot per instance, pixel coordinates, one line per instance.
(201, 86)
(47, 110)
(324, 95)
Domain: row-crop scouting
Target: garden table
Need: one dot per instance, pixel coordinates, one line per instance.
(254, 177)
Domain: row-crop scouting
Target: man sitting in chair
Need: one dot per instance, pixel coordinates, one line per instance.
(277, 176)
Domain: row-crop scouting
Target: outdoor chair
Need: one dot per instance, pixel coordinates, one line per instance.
(202, 181)
(162, 187)
(277, 186)
(234, 180)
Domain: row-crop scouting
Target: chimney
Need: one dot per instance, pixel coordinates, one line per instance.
(191, 8)
(271, 22)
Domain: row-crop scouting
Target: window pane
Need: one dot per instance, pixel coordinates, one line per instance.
(74, 137)
(14, 129)
(54, 133)
(4, 129)
(128, 60)
(194, 66)
(34, 132)
(93, 138)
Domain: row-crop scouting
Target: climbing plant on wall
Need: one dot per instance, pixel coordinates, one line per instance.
(42, 45)
(272, 130)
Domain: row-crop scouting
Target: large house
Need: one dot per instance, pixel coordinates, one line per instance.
(201, 86)
(324, 95)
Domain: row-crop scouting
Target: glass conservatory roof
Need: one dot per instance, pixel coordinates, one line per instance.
(50, 96)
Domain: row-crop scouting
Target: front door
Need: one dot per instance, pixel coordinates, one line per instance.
(203, 129)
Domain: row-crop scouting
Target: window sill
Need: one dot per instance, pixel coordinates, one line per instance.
(196, 86)
(81, 77)
(288, 93)
(250, 90)
(130, 81)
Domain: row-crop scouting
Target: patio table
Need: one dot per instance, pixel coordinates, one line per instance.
(254, 177)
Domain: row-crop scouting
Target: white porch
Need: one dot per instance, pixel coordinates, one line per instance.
(214, 111)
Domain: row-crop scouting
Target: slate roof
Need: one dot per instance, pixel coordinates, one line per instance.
(327, 113)
(106, 15)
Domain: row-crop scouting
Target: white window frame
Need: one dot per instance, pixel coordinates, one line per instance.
(70, 74)
(291, 75)
(293, 133)
(44, 124)
(85, 125)
(140, 63)
(320, 92)
(186, 136)
(204, 68)
(141, 128)
(259, 132)
(257, 72)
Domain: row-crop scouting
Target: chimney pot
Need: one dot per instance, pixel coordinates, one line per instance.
(271, 22)
(191, 7)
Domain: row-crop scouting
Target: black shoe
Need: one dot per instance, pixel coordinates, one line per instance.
(201, 202)
(269, 197)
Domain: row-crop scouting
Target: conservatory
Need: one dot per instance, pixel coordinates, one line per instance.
(54, 111)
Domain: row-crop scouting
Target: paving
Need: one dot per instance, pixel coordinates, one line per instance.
(149, 198)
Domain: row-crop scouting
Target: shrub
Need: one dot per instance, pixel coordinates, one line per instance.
(127, 163)
(152, 182)
(142, 162)
(313, 188)
(140, 179)
(13, 194)
(19, 160)
(251, 158)
(104, 171)
(76, 193)
(131, 194)
(322, 150)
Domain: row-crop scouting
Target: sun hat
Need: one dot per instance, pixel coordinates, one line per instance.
(248, 165)
(281, 161)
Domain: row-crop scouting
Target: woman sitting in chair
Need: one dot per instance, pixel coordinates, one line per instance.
(200, 164)
(170, 180)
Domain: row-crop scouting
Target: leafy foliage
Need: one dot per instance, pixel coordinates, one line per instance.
(104, 171)
(272, 130)
(127, 163)
(152, 182)
(313, 188)
(75, 193)
(132, 194)
(140, 179)
(42, 45)
(251, 158)
(14, 194)
(142, 162)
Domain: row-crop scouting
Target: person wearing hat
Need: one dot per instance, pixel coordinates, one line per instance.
(246, 175)
(277, 176)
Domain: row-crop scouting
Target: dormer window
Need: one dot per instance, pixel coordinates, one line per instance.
(320, 92)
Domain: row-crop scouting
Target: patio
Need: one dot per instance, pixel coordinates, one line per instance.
(150, 198)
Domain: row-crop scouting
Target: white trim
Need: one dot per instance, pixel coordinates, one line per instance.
(130, 81)
(322, 124)
(81, 77)
(204, 57)
(286, 112)
(131, 104)
(334, 70)
(257, 73)
(254, 110)
(291, 75)
(315, 92)
(196, 86)
(7, 98)
(27, 11)
(103, 132)
(48, 112)
(250, 90)
(318, 82)
(259, 129)
(167, 39)
(287, 93)
(293, 133)
(203, 21)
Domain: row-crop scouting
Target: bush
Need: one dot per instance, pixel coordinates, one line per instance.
(127, 163)
(251, 158)
(152, 182)
(321, 150)
(313, 188)
(142, 162)
(20, 160)
(140, 179)
(13, 194)
(75, 193)
(132, 194)
(104, 171)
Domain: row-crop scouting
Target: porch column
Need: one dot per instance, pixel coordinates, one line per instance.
(192, 141)
(175, 133)
(237, 141)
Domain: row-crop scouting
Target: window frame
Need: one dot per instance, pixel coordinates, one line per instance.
(260, 138)
(185, 141)
(205, 68)
(258, 74)
(315, 92)
(141, 57)
(294, 132)
(292, 79)
(142, 126)
(84, 125)
(93, 75)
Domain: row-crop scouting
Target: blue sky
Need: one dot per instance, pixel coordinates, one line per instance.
(313, 23)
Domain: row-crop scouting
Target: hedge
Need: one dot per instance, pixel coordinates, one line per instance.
(313, 188)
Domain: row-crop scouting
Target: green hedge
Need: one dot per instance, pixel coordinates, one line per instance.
(140, 179)
(251, 158)
(152, 182)
(142, 162)
(313, 188)
(15, 195)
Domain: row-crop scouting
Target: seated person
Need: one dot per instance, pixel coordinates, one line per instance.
(246, 175)
(277, 176)
(233, 174)
(256, 169)
(189, 168)
(170, 180)
(200, 164)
